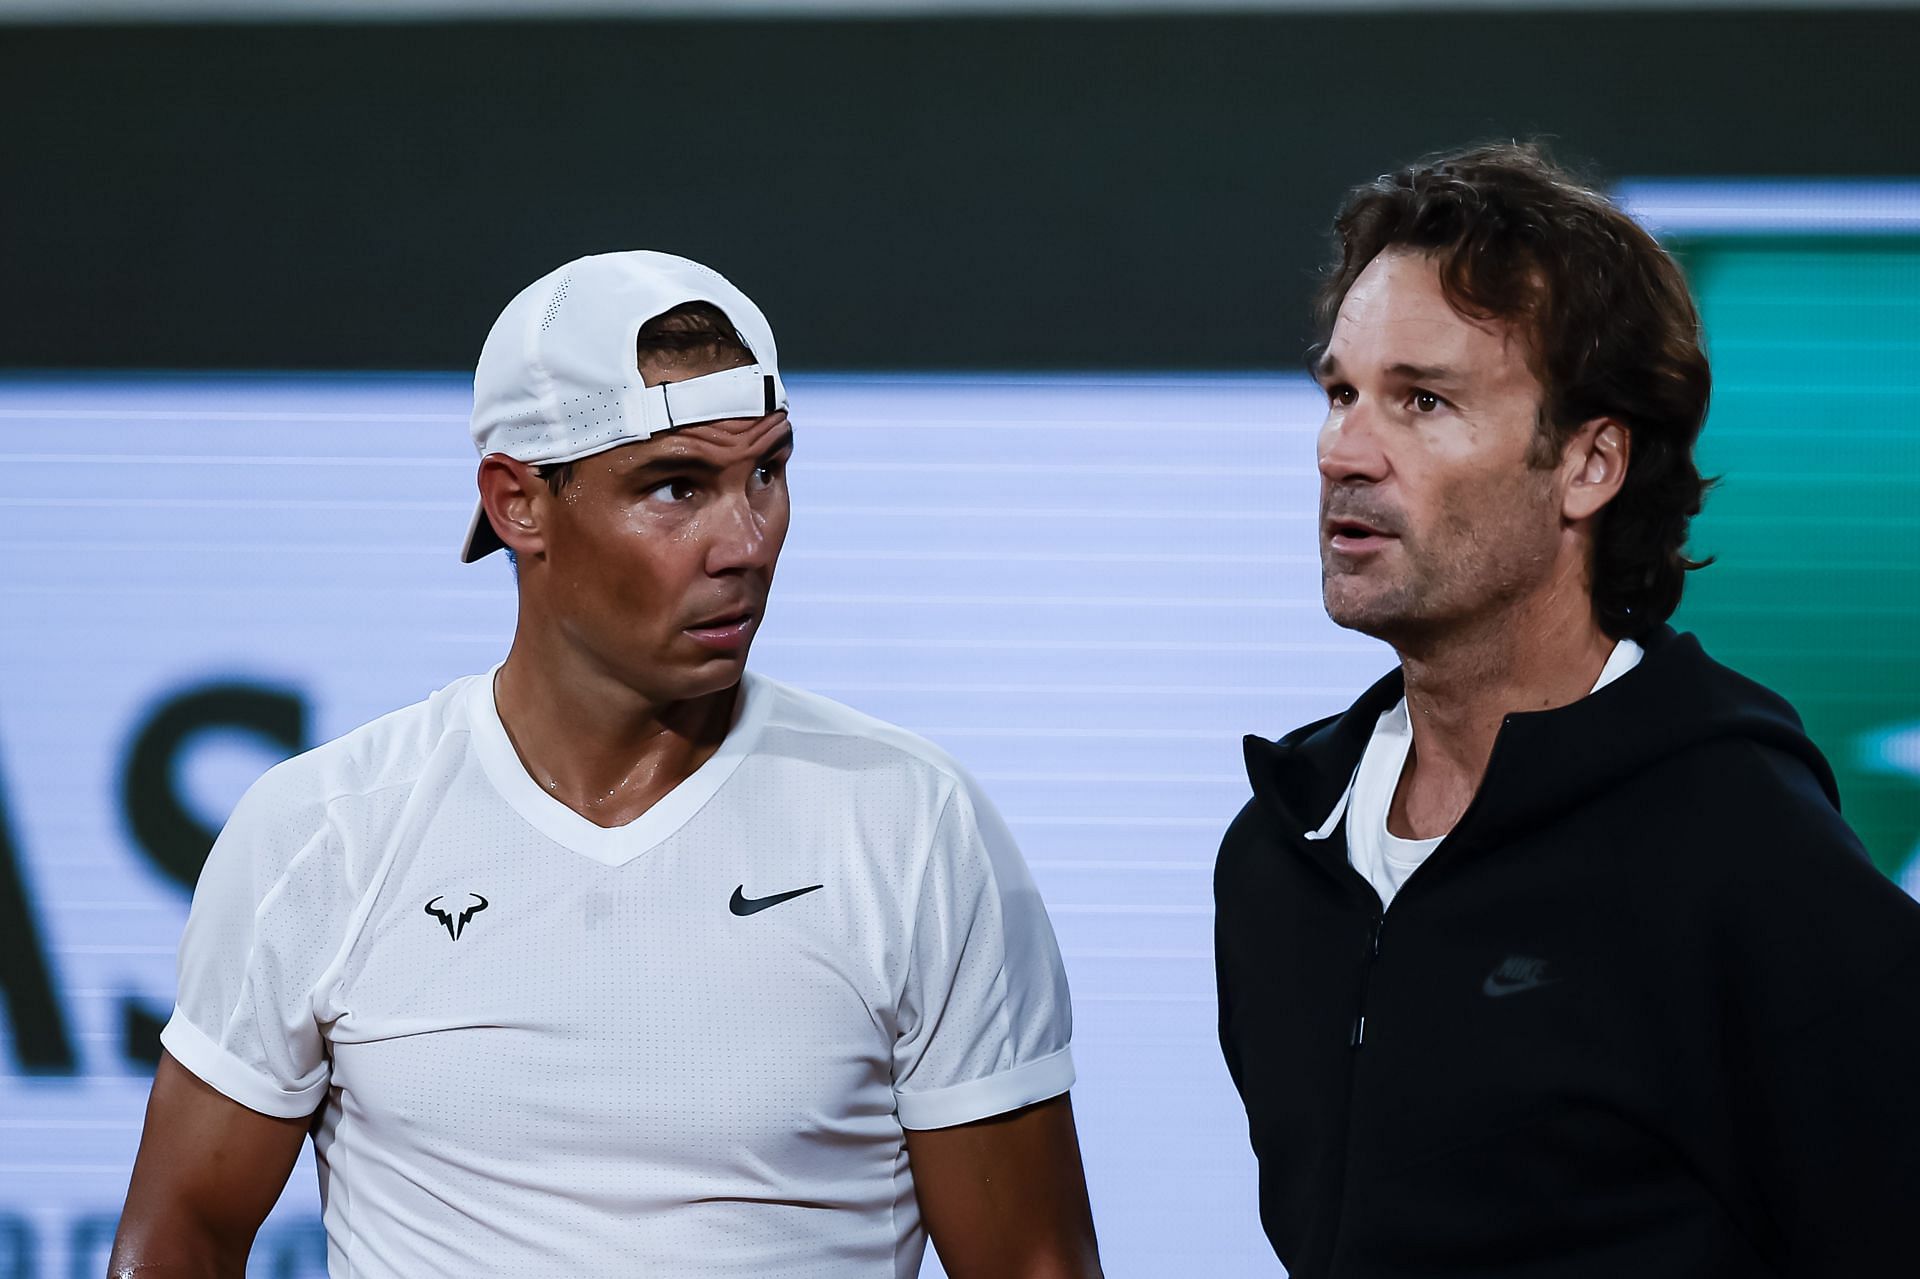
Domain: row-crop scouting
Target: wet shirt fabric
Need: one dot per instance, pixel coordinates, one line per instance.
(1647, 1010)
(686, 1045)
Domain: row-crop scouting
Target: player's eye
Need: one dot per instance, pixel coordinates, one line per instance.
(670, 492)
(1341, 395)
(768, 473)
(1426, 402)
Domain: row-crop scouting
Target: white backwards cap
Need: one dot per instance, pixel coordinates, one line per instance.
(559, 376)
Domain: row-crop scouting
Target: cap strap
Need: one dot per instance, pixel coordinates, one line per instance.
(711, 397)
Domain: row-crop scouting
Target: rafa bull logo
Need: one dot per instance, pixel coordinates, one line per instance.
(456, 924)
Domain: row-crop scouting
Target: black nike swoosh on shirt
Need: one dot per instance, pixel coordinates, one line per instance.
(744, 905)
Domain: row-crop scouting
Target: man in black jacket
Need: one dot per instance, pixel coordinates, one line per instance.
(1640, 1005)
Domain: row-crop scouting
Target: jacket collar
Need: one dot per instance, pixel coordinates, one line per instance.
(1543, 762)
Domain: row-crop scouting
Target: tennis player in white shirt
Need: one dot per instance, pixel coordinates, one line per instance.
(618, 959)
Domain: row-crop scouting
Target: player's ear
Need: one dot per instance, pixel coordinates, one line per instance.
(1594, 467)
(509, 490)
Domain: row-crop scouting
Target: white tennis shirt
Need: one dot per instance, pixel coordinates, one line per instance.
(684, 1046)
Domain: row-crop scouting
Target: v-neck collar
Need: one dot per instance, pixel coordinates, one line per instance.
(611, 845)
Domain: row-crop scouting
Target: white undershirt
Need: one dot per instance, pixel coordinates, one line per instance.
(1376, 852)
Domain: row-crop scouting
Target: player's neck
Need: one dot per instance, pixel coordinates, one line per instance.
(595, 743)
(1546, 652)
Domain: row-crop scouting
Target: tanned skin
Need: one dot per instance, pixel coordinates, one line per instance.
(1447, 532)
(208, 1172)
(643, 579)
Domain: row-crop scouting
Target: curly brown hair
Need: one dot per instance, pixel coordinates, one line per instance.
(1613, 327)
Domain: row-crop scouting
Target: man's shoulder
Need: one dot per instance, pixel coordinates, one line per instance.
(1738, 783)
(1739, 828)
(379, 755)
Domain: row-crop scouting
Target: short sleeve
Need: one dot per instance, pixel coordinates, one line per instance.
(985, 1021)
(268, 917)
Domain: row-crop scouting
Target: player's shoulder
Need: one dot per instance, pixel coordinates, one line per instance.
(382, 754)
(810, 726)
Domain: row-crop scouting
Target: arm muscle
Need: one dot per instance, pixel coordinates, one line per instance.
(1006, 1197)
(208, 1172)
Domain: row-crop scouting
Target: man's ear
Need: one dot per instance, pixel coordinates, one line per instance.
(1595, 466)
(510, 492)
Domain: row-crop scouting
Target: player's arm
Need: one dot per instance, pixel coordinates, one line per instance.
(1005, 1198)
(208, 1172)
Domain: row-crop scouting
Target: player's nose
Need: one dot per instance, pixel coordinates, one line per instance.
(737, 537)
(1349, 447)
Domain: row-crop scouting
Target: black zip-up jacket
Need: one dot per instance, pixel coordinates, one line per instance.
(1647, 1011)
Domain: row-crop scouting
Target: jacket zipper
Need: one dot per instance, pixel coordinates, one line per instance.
(1355, 1039)
(1359, 1036)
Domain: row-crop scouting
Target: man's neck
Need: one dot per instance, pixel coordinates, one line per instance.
(1459, 689)
(593, 742)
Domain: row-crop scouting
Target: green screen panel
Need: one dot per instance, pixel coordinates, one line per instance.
(1815, 433)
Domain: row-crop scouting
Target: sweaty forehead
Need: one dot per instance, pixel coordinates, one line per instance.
(720, 442)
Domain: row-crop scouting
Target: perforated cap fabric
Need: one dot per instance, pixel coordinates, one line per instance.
(559, 376)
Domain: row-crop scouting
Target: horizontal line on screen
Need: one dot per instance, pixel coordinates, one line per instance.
(1801, 479)
(1075, 909)
(1130, 514)
(1746, 568)
(1097, 601)
(1180, 823)
(226, 415)
(1812, 390)
(1723, 206)
(236, 504)
(1137, 954)
(1131, 779)
(231, 548)
(114, 950)
(64, 1125)
(1098, 690)
(826, 466)
(230, 459)
(1071, 646)
(504, 591)
(1077, 734)
(1772, 610)
(1105, 998)
(1798, 342)
(1058, 557)
(988, 646)
(91, 1170)
(945, 557)
(1263, 428)
(134, 906)
(1149, 469)
(1044, 863)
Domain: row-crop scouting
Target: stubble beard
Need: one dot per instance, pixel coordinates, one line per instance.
(1421, 591)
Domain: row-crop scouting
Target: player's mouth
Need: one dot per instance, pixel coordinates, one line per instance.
(726, 633)
(1355, 537)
